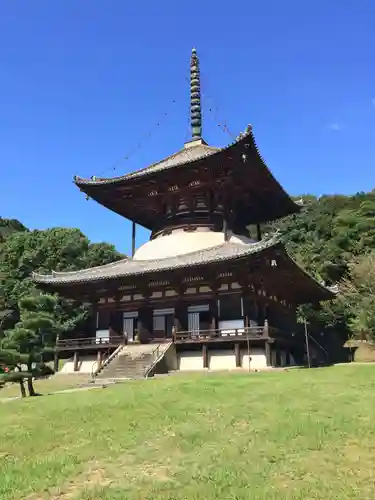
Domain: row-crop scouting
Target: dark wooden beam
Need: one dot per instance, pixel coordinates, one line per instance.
(225, 227)
(56, 362)
(75, 361)
(259, 232)
(237, 353)
(268, 353)
(205, 355)
(133, 237)
(99, 359)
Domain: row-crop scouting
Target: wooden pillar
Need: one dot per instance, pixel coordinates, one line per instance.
(75, 361)
(116, 323)
(237, 353)
(226, 218)
(268, 353)
(56, 362)
(145, 324)
(214, 312)
(248, 308)
(180, 316)
(260, 306)
(133, 237)
(99, 359)
(256, 310)
(266, 330)
(205, 355)
(94, 320)
(287, 357)
(56, 355)
(225, 227)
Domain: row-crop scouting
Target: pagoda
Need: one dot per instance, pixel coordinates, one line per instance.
(201, 282)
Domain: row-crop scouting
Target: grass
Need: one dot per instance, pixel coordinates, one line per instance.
(302, 434)
(48, 385)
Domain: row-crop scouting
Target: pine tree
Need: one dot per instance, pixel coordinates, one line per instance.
(23, 346)
(11, 369)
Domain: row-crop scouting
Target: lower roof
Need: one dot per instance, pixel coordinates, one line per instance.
(131, 267)
(227, 252)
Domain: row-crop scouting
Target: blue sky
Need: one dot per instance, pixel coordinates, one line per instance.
(83, 82)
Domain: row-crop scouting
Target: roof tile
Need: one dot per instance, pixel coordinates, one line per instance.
(130, 267)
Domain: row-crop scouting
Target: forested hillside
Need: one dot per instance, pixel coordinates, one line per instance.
(333, 238)
(23, 251)
(329, 232)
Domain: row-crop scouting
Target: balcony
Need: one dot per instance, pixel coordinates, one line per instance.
(224, 335)
(90, 343)
(201, 336)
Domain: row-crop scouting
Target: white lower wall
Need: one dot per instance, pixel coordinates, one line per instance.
(258, 359)
(221, 360)
(171, 359)
(190, 360)
(85, 365)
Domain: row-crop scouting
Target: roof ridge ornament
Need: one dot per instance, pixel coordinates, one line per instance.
(195, 97)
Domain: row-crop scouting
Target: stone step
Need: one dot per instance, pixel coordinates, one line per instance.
(127, 365)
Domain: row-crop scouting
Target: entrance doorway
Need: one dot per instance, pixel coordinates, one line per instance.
(163, 323)
(198, 318)
(130, 321)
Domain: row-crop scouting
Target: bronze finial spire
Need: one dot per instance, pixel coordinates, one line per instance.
(195, 97)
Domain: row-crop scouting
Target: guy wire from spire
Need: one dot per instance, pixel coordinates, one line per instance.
(133, 150)
(215, 110)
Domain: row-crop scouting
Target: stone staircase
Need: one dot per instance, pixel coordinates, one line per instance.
(131, 363)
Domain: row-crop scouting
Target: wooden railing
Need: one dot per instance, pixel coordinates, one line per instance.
(90, 342)
(251, 332)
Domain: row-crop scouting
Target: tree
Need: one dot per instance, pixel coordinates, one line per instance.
(11, 369)
(10, 226)
(56, 249)
(358, 297)
(324, 238)
(35, 333)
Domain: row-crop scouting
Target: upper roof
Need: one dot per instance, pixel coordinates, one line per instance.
(191, 152)
(140, 195)
(239, 165)
(306, 288)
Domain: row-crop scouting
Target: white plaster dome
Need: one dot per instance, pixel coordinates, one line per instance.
(181, 242)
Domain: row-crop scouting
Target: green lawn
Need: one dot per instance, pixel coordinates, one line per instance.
(302, 434)
(48, 385)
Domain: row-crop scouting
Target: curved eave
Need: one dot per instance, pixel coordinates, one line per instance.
(132, 268)
(307, 289)
(321, 292)
(151, 170)
(103, 190)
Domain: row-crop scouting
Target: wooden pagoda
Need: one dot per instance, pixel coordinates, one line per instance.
(201, 280)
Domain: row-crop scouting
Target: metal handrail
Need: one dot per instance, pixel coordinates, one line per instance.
(156, 355)
(95, 364)
(94, 372)
(106, 362)
(319, 345)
